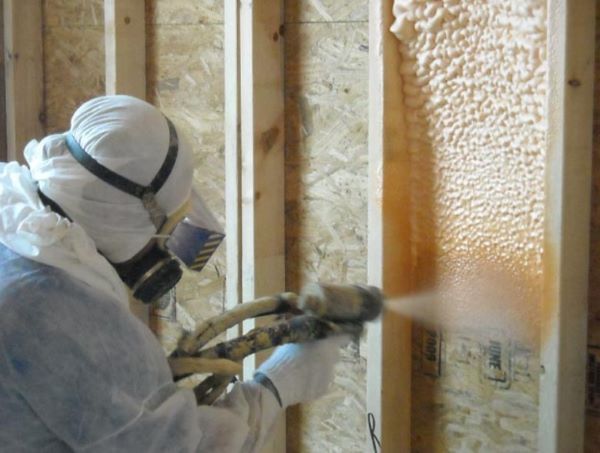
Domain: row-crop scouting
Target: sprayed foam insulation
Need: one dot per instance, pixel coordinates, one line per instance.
(592, 434)
(300, 11)
(473, 77)
(326, 95)
(73, 57)
(185, 80)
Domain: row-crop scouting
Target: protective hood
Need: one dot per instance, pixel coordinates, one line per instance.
(32, 230)
(129, 137)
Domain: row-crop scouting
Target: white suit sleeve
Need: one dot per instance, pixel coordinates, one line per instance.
(98, 380)
(259, 410)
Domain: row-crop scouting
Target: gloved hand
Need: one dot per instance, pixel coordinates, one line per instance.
(303, 372)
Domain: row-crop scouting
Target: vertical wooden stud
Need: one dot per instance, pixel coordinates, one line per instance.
(568, 188)
(262, 141)
(3, 143)
(125, 38)
(389, 267)
(233, 207)
(24, 75)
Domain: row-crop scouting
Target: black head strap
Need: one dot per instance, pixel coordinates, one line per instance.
(145, 193)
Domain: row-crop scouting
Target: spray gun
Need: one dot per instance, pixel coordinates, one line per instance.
(320, 311)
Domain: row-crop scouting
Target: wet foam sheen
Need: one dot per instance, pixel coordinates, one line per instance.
(474, 84)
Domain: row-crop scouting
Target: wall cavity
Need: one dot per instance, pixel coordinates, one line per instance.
(474, 81)
(326, 88)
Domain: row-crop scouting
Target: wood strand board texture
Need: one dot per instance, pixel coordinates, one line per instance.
(23, 71)
(328, 11)
(326, 72)
(73, 57)
(592, 434)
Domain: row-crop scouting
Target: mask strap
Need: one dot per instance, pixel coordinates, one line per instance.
(53, 205)
(145, 193)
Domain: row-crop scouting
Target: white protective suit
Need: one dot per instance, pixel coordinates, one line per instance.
(78, 372)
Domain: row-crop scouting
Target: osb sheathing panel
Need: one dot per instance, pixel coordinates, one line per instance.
(473, 75)
(185, 80)
(326, 200)
(592, 434)
(184, 11)
(73, 57)
(298, 11)
(74, 13)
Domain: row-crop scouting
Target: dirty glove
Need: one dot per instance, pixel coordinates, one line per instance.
(301, 372)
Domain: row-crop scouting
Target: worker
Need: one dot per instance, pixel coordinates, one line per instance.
(79, 372)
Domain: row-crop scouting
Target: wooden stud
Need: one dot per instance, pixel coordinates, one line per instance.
(125, 38)
(389, 266)
(233, 207)
(24, 75)
(568, 191)
(3, 143)
(262, 149)
(262, 141)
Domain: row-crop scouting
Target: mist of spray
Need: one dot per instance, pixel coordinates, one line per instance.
(488, 307)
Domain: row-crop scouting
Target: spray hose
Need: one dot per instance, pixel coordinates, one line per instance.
(320, 311)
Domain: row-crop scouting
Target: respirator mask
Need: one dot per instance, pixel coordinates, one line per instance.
(180, 240)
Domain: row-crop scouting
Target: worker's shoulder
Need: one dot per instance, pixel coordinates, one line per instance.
(35, 295)
(24, 281)
(48, 318)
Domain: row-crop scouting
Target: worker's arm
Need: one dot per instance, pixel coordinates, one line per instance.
(99, 381)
